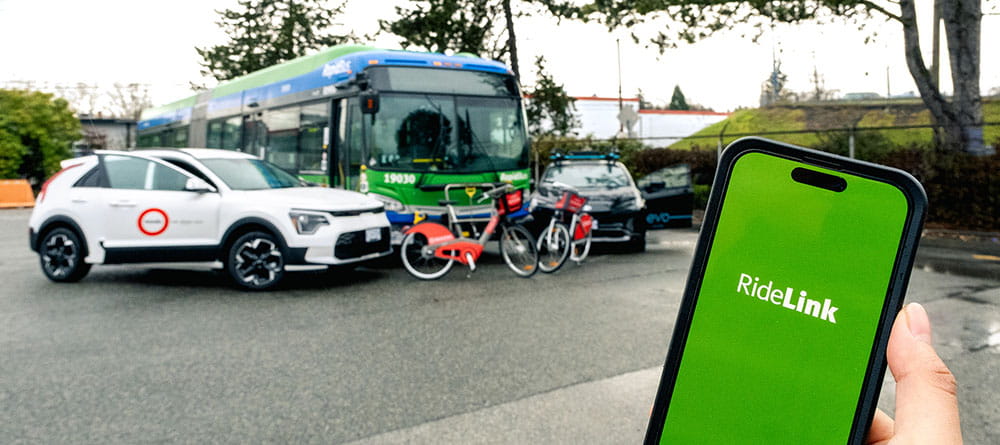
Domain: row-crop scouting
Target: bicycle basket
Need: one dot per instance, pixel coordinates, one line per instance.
(510, 202)
(571, 202)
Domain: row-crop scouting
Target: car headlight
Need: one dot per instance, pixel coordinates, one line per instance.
(307, 223)
(389, 203)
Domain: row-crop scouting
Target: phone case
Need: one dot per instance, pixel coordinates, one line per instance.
(917, 205)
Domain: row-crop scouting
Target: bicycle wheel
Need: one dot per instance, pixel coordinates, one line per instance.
(519, 250)
(553, 248)
(581, 248)
(419, 260)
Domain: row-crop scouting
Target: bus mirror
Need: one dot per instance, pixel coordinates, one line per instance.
(369, 102)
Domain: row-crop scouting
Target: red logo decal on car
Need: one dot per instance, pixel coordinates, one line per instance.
(153, 222)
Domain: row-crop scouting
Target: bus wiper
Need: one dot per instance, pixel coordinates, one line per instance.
(437, 141)
(475, 143)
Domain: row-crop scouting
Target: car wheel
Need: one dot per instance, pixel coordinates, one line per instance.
(61, 256)
(255, 262)
(637, 243)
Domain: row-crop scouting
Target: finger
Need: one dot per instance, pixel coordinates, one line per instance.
(881, 430)
(926, 405)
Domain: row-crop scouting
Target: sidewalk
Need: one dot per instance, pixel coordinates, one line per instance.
(960, 253)
(609, 411)
(973, 254)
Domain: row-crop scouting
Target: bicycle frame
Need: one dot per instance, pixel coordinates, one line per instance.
(448, 242)
(580, 222)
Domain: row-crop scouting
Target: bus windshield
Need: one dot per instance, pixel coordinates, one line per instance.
(453, 134)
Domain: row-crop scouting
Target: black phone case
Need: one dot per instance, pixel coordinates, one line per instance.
(905, 253)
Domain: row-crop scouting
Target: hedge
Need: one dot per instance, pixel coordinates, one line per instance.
(963, 190)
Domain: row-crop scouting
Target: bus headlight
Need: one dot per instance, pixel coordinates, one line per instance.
(390, 204)
(307, 223)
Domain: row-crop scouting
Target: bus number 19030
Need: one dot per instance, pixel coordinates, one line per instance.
(400, 178)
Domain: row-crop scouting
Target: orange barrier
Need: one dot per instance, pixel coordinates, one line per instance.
(16, 193)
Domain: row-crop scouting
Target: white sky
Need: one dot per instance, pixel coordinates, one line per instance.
(107, 41)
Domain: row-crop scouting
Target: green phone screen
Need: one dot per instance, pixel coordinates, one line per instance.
(788, 308)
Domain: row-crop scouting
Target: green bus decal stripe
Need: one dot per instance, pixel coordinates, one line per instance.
(287, 70)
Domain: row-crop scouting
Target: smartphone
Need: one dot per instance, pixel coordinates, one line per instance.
(800, 268)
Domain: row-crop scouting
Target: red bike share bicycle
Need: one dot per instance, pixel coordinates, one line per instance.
(429, 249)
(568, 234)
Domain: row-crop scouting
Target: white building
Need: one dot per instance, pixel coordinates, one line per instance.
(103, 133)
(660, 128)
(657, 128)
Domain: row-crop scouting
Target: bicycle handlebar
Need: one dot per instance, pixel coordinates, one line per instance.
(496, 189)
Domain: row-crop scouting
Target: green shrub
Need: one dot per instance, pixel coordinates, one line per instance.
(963, 190)
(701, 192)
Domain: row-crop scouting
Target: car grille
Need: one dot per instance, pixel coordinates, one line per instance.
(352, 245)
(374, 210)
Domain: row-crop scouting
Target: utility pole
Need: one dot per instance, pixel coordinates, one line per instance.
(936, 48)
(511, 40)
(621, 106)
(888, 89)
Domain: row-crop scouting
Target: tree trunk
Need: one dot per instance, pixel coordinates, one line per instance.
(941, 111)
(511, 39)
(959, 122)
(962, 20)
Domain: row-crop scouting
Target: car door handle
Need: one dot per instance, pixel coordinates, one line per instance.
(123, 203)
(78, 201)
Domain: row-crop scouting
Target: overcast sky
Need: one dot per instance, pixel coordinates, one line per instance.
(107, 41)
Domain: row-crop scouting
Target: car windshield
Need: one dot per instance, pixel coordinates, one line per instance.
(671, 177)
(589, 176)
(250, 174)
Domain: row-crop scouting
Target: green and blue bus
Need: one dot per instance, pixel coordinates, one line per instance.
(397, 125)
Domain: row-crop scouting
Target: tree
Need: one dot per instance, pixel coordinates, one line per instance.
(773, 89)
(959, 119)
(819, 91)
(447, 26)
(36, 132)
(128, 100)
(677, 100)
(465, 26)
(263, 33)
(549, 104)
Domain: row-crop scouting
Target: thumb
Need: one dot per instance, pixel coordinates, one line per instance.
(926, 402)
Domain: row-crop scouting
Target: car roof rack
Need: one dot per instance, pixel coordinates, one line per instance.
(585, 156)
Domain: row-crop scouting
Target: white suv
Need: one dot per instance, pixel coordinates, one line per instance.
(195, 205)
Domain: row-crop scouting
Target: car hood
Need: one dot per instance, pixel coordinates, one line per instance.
(620, 198)
(313, 198)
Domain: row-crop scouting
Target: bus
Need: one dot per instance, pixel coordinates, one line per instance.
(397, 125)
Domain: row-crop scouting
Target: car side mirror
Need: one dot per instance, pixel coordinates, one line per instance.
(198, 185)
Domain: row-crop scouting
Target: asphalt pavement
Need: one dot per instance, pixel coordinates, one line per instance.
(133, 355)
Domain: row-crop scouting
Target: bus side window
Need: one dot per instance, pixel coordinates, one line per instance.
(355, 144)
(180, 137)
(214, 139)
(339, 147)
(231, 133)
(314, 120)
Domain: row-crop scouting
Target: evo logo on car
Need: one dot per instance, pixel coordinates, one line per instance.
(752, 286)
(153, 222)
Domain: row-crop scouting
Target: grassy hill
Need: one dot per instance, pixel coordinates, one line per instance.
(818, 119)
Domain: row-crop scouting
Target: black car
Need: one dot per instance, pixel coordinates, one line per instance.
(669, 197)
(615, 202)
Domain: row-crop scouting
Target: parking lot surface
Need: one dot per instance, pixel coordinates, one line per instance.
(133, 355)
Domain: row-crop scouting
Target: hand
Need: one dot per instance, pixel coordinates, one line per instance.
(926, 402)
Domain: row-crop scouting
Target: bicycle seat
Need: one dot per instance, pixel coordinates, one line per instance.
(447, 202)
